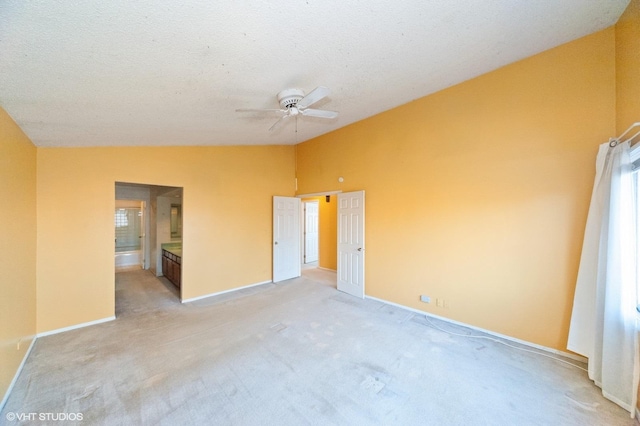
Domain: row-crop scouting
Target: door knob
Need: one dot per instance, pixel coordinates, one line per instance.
(359, 248)
(276, 243)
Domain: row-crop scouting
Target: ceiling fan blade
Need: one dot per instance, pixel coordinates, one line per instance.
(277, 123)
(281, 111)
(322, 113)
(314, 96)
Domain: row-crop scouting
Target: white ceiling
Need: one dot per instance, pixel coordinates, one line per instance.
(150, 72)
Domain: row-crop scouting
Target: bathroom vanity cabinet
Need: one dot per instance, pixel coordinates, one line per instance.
(172, 265)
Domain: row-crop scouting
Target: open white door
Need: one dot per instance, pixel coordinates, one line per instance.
(351, 243)
(286, 238)
(310, 231)
(143, 235)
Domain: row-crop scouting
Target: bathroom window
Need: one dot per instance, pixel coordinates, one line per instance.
(128, 229)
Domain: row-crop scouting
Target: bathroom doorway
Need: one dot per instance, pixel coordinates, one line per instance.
(152, 215)
(148, 218)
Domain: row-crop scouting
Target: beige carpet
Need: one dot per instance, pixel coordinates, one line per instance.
(293, 353)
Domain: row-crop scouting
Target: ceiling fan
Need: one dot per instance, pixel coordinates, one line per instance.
(294, 102)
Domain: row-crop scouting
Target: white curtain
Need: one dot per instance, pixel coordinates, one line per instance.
(603, 322)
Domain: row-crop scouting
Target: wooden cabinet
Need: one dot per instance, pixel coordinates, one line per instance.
(171, 267)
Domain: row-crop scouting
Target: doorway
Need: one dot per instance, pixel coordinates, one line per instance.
(148, 223)
(326, 231)
(340, 237)
(345, 226)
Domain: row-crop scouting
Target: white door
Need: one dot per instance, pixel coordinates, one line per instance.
(351, 243)
(143, 235)
(286, 238)
(310, 231)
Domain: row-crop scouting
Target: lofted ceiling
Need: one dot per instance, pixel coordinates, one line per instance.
(149, 72)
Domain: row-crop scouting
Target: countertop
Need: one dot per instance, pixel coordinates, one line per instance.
(173, 248)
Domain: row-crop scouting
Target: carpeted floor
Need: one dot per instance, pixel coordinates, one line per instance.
(293, 353)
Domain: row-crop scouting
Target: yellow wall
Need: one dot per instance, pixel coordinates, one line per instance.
(628, 67)
(17, 247)
(227, 220)
(478, 194)
(329, 233)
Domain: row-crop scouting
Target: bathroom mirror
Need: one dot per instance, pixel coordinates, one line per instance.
(176, 221)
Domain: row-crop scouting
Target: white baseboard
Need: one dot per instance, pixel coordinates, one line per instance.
(327, 269)
(73, 327)
(15, 377)
(193, 299)
(569, 355)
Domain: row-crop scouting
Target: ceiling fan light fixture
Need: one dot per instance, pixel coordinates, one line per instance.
(288, 98)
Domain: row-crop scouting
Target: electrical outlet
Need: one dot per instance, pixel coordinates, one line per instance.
(439, 302)
(446, 304)
(18, 345)
(425, 299)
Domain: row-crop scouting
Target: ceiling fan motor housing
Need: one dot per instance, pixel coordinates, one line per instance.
(290, 97)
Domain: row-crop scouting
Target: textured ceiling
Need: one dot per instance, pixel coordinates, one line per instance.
(149, 72)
